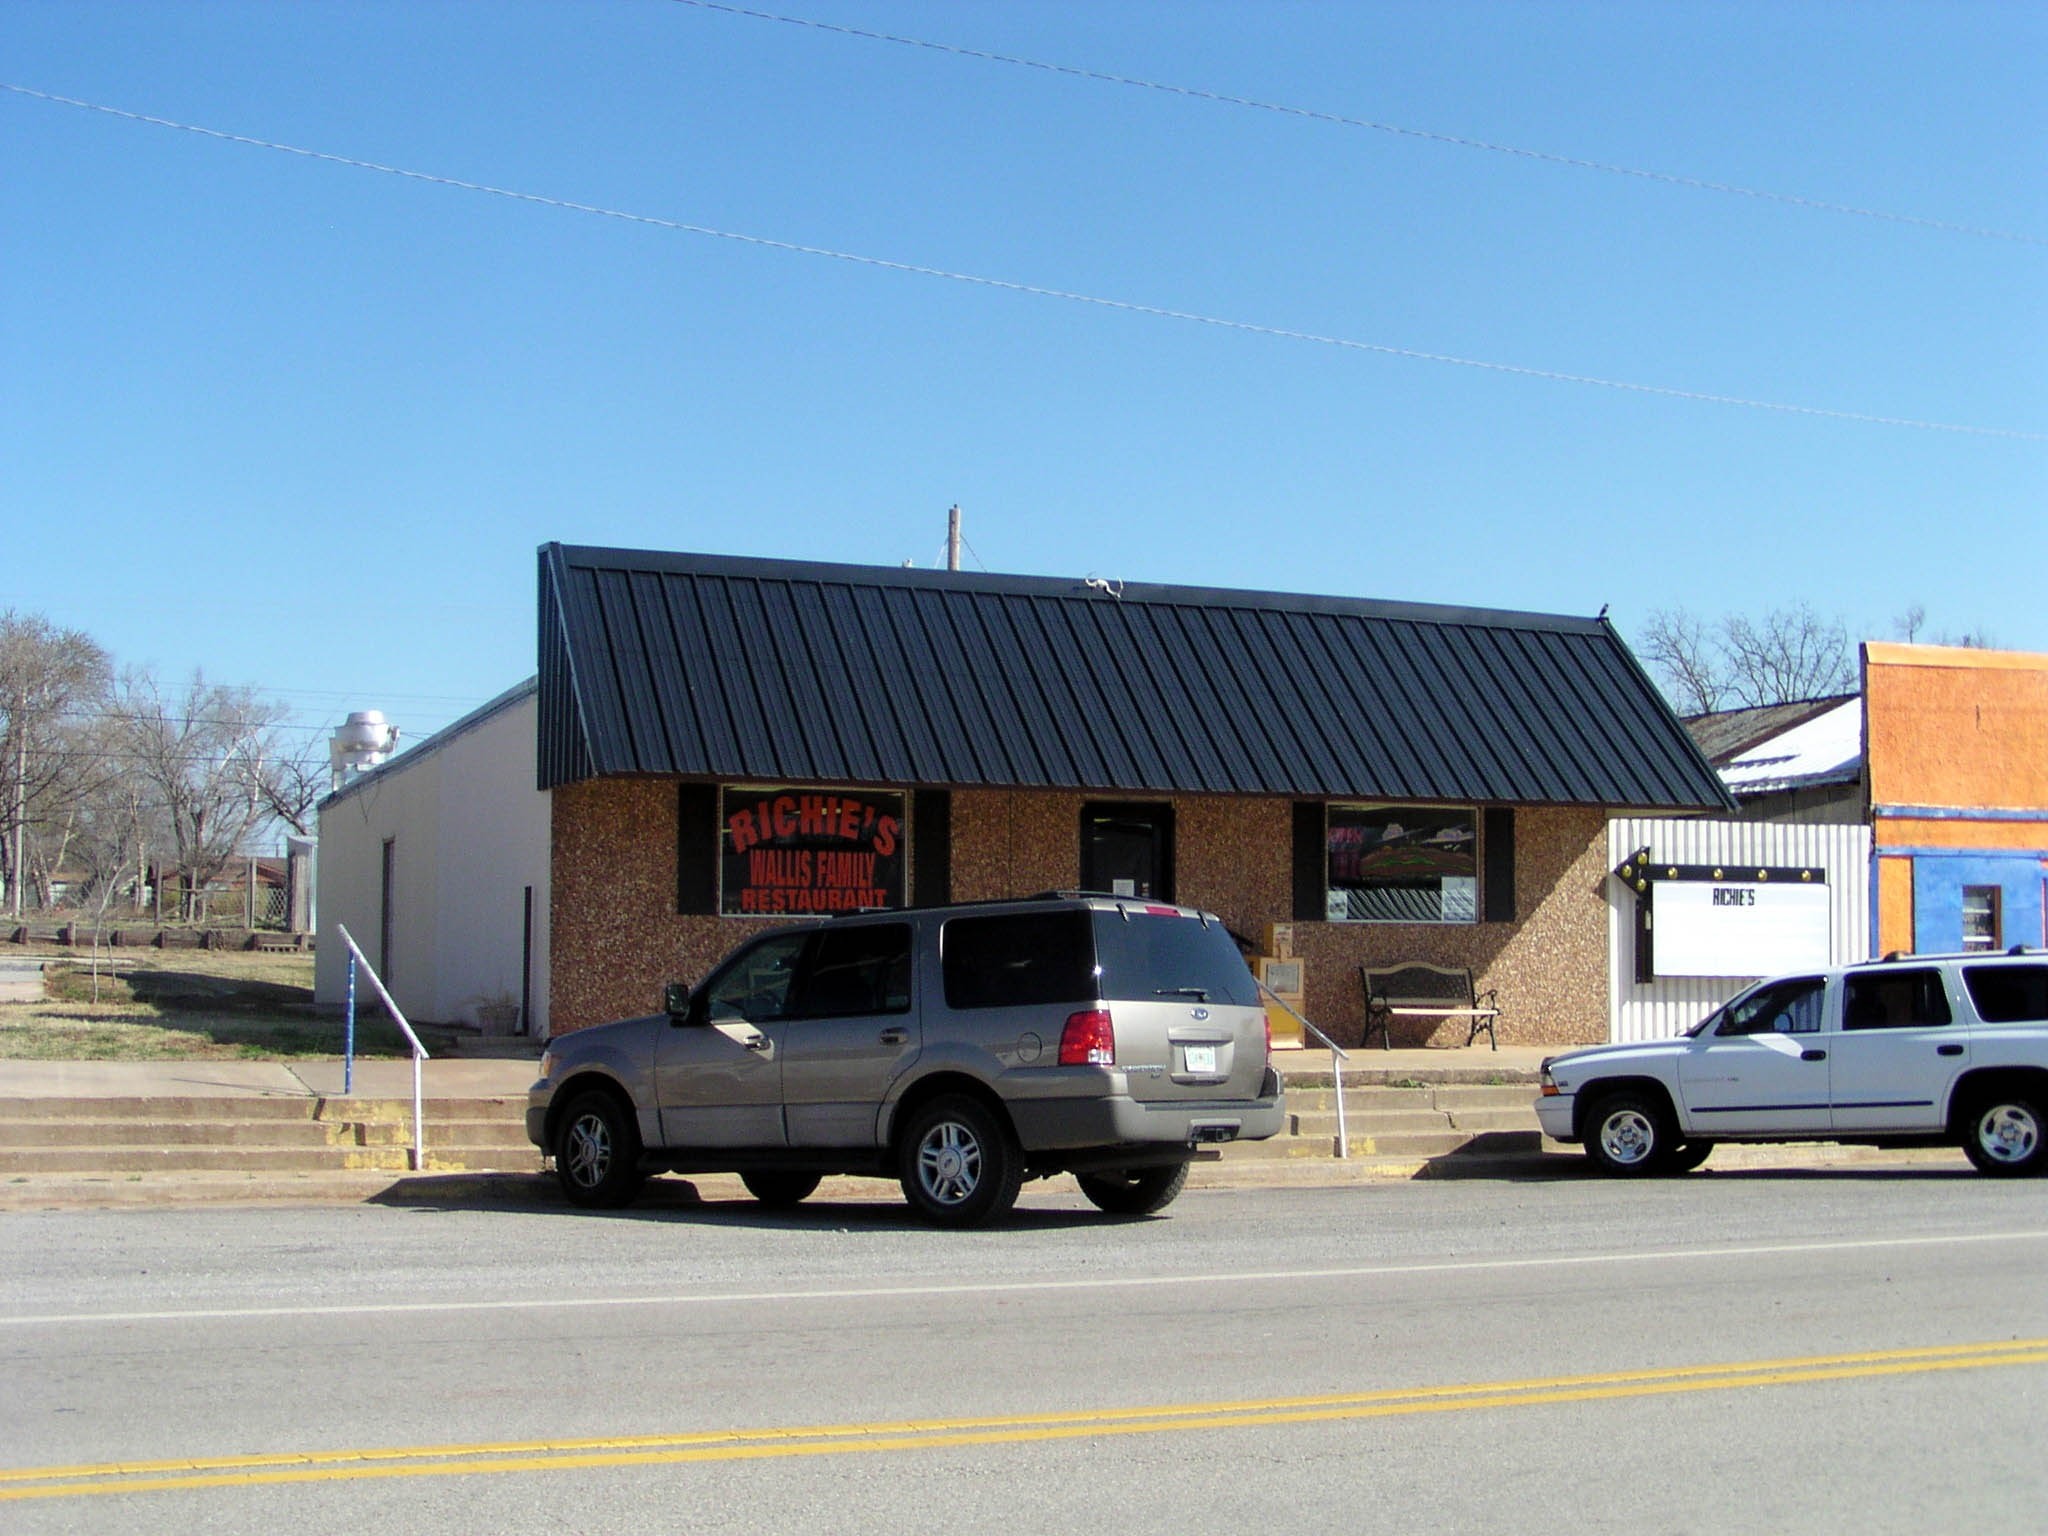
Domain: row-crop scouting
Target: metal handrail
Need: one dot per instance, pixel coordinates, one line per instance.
(1337, 1059)
(356, 957)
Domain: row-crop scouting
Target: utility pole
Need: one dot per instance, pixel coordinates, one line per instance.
(953, 540)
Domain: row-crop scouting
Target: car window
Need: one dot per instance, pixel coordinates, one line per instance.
(864, 969)
(1785, 1008)
(1018, 958)
(2008, 994)
(1146, 956)
(755, 984)
(1894, 1000)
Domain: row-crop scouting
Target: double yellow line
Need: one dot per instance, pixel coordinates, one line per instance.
(193, 1473)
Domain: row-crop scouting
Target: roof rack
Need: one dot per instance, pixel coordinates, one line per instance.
(1899, 955)
(993, 901)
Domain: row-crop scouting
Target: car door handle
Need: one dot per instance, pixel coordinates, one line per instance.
(895, 1036)
(757, 1042)
(1948, 1050)
(1813, 1055)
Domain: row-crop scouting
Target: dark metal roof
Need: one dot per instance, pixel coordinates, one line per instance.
(779, 671)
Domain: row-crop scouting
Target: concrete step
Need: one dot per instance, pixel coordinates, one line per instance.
(137, 1132)
(1485, 1096)
(1323, 1122)
(1439, 1152)
(257, 1134)
(140, 1161)
(1358, 1099)
(1403, 1144)
(1450, 1097)
(282, 1107)
(282, 1134)
(252, 1107)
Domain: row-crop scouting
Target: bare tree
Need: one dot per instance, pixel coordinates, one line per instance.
(200, 753)
(49, 678)
(1907, 627)
(1790, 654)
(114, 828)
(291, 780)
(1681, 653)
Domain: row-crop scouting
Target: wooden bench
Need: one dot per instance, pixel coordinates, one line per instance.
(1427, 991)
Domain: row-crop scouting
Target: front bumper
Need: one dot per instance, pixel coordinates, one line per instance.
(538, 1097)
(1554, 1114)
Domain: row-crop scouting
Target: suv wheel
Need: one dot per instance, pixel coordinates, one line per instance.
(775, 1188)
(959, 1165)
(2003, 1135)
(1630, 1134)
(597, 1152)
(1133, 1191)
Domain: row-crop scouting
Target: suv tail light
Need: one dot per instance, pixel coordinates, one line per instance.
(1089, 1040)
(1266, 1018)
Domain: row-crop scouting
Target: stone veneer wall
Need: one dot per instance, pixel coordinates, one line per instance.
(617, 938)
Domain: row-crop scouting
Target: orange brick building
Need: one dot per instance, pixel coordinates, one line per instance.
(1956, 747)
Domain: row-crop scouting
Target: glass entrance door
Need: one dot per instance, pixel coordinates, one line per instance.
(1127, 849)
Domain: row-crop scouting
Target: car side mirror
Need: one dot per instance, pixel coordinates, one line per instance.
(675, 997)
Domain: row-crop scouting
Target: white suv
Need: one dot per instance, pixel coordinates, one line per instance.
(1908, 1050)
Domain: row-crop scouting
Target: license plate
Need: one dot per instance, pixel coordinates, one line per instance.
(1200, 1058)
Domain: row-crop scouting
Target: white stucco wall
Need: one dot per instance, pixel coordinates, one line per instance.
(469, 834)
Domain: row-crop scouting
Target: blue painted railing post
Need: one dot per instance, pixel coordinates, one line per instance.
(348, 1050)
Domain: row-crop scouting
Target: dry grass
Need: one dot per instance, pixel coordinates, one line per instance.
(177, 1005)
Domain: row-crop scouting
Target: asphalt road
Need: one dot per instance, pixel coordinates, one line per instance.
(1828, 1351)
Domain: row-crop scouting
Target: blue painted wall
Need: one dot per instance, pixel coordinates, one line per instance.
(1938, 881)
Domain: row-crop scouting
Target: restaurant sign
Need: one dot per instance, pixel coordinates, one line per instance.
(1727, 919)
(798, 852)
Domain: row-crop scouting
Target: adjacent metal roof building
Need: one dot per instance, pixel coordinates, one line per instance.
(769, 671)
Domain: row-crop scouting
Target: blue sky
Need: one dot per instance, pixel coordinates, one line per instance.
(303, 425)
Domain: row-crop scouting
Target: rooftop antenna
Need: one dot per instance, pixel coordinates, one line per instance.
(953, 539)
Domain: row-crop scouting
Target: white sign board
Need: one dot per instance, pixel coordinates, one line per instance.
(1736, 928)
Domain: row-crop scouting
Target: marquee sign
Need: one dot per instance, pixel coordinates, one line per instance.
(799, 852)
(1726, 919)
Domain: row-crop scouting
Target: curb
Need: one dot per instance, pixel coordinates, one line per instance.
(536, 1191)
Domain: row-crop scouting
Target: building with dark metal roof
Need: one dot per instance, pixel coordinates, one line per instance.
(1345, 782)
(701, 666)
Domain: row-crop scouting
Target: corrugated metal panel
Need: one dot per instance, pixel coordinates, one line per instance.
(1672, 1005)
(768, 670)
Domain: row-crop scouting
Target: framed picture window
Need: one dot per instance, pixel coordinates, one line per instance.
(809, 852)
(1402, 864)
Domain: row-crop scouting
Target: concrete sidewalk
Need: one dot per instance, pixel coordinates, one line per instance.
(466, 1077)
(456, 1078)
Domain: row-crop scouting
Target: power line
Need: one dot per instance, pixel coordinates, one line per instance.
(1460, 141)
(1007, 285)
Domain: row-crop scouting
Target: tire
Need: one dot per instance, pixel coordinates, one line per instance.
(1630, 1135)
(597, 1152)
(780, 1190)
(1133, 1191)
(2003, 1135)
(1690, 1155)
(959, 1164)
